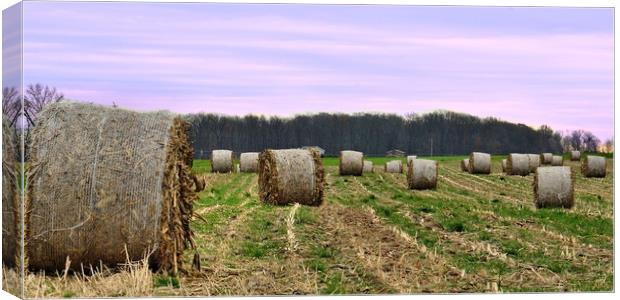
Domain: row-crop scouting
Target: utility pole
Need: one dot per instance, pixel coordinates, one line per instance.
(431, 146)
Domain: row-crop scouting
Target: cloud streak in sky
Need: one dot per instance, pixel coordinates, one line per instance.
(528, 65)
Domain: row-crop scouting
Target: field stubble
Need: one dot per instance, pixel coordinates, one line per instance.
(474, 233)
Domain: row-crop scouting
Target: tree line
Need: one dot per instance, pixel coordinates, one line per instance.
(436, 133)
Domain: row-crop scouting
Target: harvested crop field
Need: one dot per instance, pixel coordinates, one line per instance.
(473, 233)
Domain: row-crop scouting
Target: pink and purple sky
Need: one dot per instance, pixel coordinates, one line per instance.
(530, 65)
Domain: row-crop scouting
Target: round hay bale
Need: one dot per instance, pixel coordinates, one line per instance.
(351, 163)
(368, 166)
(10, 197)
(557, 160)
(553, 187)
(545, 158)
(534, 160)
(221, 161)
(410, 158)
(504, 165)
(290, 176)
(594, 166)
(108, 184)
(465, 165)
(422, 174)
(575, 155)
(480, 163)
(518, 164)
(248, 162)
(394, 166)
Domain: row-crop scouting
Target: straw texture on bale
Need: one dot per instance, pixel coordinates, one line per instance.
(557, 160)
(351, 163)
(291, 176)
(594, 166)
(221, 161)
(248, 162)
(554, 187)
(504, 165)
(545, 158)
(410, 158)
(394, 166)
(518, 164)
(10, 197)
(479, 163)
(575, 155)
(102, 180)
(465, 165)
(368, 166)
(422, 174)
(534, 160)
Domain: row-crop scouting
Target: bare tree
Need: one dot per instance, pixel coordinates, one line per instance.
(609, 145)
(590, 142)
(11, 104)
(36, 98)
(576, 138)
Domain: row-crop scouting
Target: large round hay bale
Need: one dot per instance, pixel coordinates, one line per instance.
(290, 176)
(351, 163)
(575, 155)
(368, 166)
(518, 164)
(480, 163)
(10, 197)
(534, 160)
(553, 187)
(504, 165)
(545, 158)
(248, 162)
(394, 166)
(221, 161)
(422, 174)
(557, 160)
(102, 180)
(410, 158)
(465, 165)
(594, 166)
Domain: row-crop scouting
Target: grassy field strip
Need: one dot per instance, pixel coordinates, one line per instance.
(378, 245)
(594, 208)
(475, 184)
(509, 236)
(411, 232)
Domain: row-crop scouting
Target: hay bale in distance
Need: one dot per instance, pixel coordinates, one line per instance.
(553, 187)
(394, 166)
(545, 158)
(10, 197)
(422, 174)
(575, 155)
(351, 163)
(368, 166)
(102, 180)
(248, 162)
(594, 166)
(557, 160)
(480, 163)
(221, 161)
(504, 165)
(518, 164)
(290, 176)
(465, 165)
(410, 158)
(534, 160)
